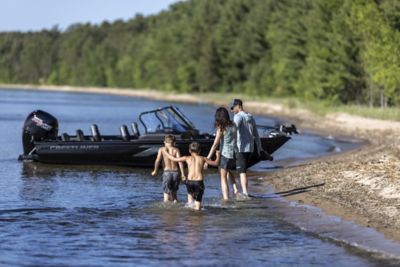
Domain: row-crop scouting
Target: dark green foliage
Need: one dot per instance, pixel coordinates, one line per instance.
(341, 51)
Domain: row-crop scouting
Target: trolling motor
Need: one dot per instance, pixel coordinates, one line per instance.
(38, 126)
(279, 129)
(289, 130)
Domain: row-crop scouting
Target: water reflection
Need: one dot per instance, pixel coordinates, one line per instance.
(37, 184)
(192, 228)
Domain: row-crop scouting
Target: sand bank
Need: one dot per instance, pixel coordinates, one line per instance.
(361, 185)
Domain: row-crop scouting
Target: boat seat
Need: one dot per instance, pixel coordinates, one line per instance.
(95, 132)
(125, 133)
(135, 130)
(65, 137)
(79, 135)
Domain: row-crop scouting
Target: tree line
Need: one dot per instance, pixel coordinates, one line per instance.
(343, 51)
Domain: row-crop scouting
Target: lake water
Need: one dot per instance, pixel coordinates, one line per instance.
(57, 215)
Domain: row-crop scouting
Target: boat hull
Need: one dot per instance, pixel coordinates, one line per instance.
(134, 153)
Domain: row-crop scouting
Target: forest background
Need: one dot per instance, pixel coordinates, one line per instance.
(331, 52)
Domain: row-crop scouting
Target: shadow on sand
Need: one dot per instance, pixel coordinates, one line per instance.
(291, 192)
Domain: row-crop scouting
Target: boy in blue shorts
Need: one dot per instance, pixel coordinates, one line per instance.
(171, 175)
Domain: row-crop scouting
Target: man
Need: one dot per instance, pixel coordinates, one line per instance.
(248, 140)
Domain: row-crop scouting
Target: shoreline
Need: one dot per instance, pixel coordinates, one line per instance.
(361, 185)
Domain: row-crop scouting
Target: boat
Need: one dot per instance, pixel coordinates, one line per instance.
(41, 142)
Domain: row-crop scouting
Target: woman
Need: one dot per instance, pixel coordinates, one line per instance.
(226, 136)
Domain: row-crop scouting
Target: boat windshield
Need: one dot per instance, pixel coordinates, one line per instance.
(165, 120)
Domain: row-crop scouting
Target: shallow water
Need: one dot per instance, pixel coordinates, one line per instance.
(58, 215)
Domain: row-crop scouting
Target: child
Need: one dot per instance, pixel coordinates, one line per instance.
(171, 178)
(195, 162)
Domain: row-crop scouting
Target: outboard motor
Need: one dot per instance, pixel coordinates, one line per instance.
(38, 126)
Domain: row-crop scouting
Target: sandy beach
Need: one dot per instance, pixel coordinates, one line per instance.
(362, 185)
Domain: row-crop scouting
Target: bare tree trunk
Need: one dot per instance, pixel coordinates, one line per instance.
(373, 90)
(386, 101)
(371, 97)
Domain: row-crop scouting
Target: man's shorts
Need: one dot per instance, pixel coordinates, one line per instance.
(242, 161)
(195, 189)
(227, 164)
(171, 180)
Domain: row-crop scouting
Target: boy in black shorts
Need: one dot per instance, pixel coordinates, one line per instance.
(195, 162)
(171, 175)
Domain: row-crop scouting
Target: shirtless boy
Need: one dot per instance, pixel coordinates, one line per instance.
(195, 162)
(171, 175)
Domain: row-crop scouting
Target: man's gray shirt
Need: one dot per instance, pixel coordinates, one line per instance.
(247, 132)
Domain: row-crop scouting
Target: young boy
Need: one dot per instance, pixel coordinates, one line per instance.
(195, 162)
(171, 177)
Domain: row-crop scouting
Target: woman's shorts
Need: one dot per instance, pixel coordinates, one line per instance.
(227, 164)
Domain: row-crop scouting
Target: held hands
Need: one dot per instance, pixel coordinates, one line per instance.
(205, 167)
(218, 153)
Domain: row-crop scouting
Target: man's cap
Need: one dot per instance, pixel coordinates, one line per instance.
(235, 102)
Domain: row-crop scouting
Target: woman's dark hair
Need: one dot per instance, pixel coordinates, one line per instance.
(222, 119)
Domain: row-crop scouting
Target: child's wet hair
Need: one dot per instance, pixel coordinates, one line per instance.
(194, 147)
(169, 138)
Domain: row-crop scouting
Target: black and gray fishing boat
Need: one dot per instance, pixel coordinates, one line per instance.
(42, 143)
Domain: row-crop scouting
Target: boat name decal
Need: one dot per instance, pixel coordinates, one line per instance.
(41, 124)
(74, 147)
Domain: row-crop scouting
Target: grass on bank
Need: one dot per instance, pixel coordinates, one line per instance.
(318, 107)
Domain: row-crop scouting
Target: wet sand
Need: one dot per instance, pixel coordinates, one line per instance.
(362, 185)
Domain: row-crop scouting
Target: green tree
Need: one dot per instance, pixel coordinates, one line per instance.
(379, 50)
(287, 36)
